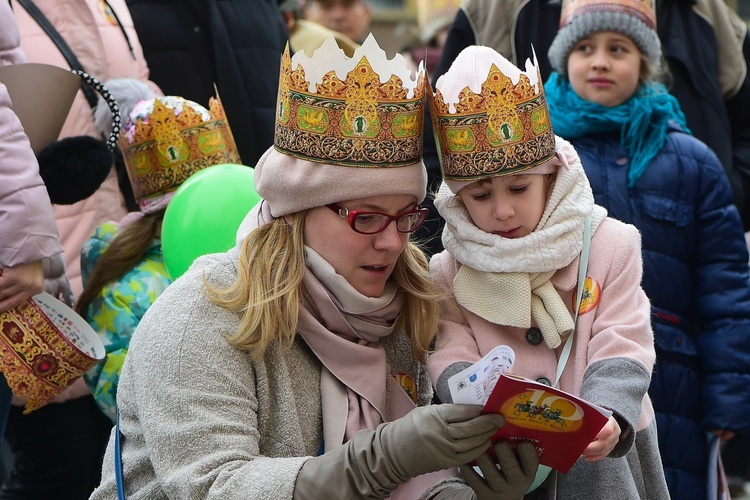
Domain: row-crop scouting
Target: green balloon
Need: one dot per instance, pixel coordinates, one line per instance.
(205, 213)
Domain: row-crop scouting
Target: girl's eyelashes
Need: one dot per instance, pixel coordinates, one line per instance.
(480, 196)
(518, 189)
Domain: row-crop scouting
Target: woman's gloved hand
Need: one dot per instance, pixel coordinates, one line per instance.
(508, 482)
(374, 463)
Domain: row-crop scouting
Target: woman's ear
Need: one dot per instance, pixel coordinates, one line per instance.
(289, 219)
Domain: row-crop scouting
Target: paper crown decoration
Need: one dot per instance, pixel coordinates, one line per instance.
(489, 117)
(44, 347)
(167, 139)
(644, 10)
(360, 111)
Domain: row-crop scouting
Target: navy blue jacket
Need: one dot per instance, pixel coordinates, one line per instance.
(696, 275)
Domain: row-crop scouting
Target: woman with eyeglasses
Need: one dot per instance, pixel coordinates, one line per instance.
(292, 366)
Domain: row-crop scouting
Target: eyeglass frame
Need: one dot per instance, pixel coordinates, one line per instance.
(351, 217)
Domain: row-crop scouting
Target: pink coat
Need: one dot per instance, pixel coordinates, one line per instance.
(610, 363)
(102, 49)
(27, 227)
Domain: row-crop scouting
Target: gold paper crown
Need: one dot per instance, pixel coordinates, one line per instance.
(337, 110)
(44, 348)
(168, 139)
(503, 129)
(640, 9)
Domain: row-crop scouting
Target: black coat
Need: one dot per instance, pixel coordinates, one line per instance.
(190, 45)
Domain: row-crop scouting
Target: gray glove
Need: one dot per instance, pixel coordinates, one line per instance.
(374, 463)
(511, 480)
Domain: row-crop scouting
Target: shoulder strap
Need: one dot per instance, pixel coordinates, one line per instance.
(583, 265)
(61, 44)
(118, 459)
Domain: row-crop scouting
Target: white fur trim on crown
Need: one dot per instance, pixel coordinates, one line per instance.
(291, 184)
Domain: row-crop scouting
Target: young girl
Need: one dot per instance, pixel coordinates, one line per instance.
(647, 171)
(515, 201)
(122, 263)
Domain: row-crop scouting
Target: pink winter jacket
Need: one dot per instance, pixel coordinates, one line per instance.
(614, 331)
(95, 36)
(27, 226)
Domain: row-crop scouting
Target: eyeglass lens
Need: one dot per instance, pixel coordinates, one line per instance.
(373, 223)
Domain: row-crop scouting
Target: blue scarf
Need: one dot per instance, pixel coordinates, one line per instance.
(642, 120)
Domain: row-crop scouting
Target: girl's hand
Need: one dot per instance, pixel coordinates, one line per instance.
(605, 441)
(19, 283)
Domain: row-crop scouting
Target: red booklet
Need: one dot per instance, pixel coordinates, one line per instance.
(559, 424)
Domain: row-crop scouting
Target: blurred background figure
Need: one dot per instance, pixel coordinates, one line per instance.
(100, 37)
(58, 449)
(29, 232)
(232, 44)
(308, 35)
(351, 18)
(434, 19)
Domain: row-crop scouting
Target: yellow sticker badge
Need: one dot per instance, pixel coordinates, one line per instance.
(592, 293)
(106, 10)
(408, 385)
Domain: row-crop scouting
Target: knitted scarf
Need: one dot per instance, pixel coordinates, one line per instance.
(343, 328)
(642, 120)
(506, 281)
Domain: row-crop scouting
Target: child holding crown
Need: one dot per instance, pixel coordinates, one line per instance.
(520, 221)
(290, 366)
(645, 168)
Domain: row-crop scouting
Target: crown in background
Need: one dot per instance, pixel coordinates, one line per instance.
(359, 112)
(504, 128)
(640, 9)
(167, 139)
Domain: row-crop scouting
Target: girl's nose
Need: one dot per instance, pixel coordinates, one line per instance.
(503, 210)
(600, 60)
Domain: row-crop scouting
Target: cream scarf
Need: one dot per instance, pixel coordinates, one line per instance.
(506, 281)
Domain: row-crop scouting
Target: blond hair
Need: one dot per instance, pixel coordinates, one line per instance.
(268, 291)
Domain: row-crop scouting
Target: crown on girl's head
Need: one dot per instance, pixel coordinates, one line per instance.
(644, 10)
(360, 111)
(489, 117)
(167, 139)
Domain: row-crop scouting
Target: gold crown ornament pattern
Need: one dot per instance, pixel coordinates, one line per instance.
(364, 111)
(502, 129)
(44, 347)
(645, 10)
(167, 139)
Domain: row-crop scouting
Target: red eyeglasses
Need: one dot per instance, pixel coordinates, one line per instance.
(375, 222)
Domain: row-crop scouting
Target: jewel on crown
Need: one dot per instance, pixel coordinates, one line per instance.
(493, 125)
(360, 111)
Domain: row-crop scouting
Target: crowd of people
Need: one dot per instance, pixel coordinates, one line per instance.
(571, 181)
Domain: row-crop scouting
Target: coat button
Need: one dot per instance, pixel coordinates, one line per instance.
(534, 336)
(544, 380)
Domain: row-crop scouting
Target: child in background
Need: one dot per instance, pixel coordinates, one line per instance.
(122, 263)
(515, 200)
(604, 97)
